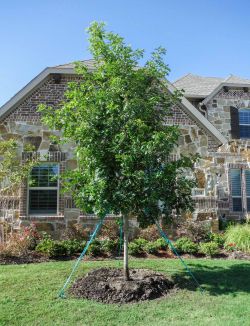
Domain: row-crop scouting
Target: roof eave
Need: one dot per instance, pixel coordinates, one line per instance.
(195, 96)
(30, 87)
(34, 83)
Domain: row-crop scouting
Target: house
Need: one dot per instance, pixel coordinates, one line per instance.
(214, 118)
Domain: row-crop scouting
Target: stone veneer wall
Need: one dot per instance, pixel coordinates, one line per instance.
(24, 125)
(218, 108)
(227, 157)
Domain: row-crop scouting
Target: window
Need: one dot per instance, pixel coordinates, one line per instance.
(240, 191)
(244, 123)
(43, 189)
(247, 179)
(235, 176)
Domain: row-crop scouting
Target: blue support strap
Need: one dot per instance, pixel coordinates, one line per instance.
(120, 238)
(163, 234)
(93, 235)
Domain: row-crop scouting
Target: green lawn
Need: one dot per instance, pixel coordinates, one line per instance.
(28, 296)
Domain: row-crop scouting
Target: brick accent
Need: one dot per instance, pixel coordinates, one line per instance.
(49, 93)
(178, 117)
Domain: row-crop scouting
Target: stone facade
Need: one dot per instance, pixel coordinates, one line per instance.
(212, 195)
(218, 108)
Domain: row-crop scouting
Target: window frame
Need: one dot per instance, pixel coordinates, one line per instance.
(242, 110)
(241, 190)
(57, 188)
(247, 190)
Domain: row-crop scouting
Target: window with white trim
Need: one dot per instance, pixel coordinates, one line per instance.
(43, 189)
(244, 123)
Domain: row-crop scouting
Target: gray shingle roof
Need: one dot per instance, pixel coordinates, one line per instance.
(198, 86)
(236, 80)
(89, 63)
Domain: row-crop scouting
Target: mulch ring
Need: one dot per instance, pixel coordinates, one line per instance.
(107, 285)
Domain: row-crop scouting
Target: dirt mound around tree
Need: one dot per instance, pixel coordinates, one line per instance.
(108, 286)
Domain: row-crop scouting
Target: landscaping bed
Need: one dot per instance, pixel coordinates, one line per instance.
(107, 285)
(29, 246)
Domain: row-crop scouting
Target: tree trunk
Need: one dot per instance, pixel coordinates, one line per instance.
(125, 245)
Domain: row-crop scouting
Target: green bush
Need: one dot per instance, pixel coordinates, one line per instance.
(73, 246)
(109, 246)
(152, 247)
(186, 246)
(54, 249)
(161, 243)
(137, 247)
(95, 249)
(51, 248)
(239, 235)
(209, 248)
(218, 238)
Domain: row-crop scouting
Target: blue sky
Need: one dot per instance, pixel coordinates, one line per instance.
(205, 37)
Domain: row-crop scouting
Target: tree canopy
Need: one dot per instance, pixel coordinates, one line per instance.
(116, 115)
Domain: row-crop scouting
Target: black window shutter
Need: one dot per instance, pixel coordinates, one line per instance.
(235, 128)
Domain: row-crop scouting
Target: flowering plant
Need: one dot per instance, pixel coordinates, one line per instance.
(231, 246)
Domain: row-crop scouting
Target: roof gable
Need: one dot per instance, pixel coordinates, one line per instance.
(201, 87)
(68, 69)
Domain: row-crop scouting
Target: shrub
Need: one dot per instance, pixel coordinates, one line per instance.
(230, 246)
(20, 242)
(161, 243)
(73, 246)
(137, 247)
(110, 230)
(239, 235)
(186, 246)
(195, 230)
(31, 234)
(109, 246)
(76, 231)
(209, 248)
(95, 249)
(52, 248)
(151, 233)
(15, 246)
(153, 247)
(218, 238)
(224, 223)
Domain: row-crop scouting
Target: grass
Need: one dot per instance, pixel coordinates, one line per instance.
(28, 296)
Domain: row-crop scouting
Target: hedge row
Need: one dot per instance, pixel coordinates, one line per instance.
(137, 247)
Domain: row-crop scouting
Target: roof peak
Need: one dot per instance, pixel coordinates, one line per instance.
(70, 65)
(202, 86)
